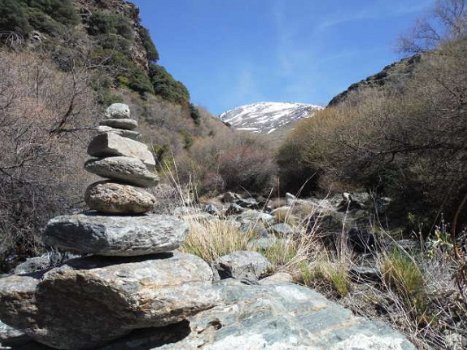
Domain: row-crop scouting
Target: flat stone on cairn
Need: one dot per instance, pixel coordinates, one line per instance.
(131, 134)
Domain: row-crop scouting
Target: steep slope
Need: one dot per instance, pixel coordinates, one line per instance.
(395, 74)
(267, 117)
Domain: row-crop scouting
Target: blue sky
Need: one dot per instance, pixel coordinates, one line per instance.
(234, 52)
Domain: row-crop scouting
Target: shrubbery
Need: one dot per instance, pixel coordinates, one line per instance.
(166, 86)
(408, 143)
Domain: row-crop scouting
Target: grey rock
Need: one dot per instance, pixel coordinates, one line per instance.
(117, 111)
(89, 233)
(212, 209)
(275, 317)
(110, 144)
(250, 203)
(277, 278)
(234, 209)
(240, 264)
(131, 134)
(230, 197)
(126, 124)
(10, 336)
(282, 230)
(126, 169)
(264, 243)
(113, 198)
(256, 228)
(45, 261)
(253, 216)
(90, 301)
(363, 274)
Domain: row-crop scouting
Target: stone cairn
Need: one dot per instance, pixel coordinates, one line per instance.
(129, 276)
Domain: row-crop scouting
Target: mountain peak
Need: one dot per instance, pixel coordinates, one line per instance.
(267, 117)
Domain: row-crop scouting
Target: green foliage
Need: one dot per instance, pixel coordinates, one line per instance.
(48, 16)
(166, 86)
(195, 114)
(106, 22)
(152, 54)
(13, 17)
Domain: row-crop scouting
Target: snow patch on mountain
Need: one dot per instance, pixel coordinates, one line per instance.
(267, 117)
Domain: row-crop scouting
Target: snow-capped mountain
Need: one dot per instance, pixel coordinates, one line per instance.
(267, 117)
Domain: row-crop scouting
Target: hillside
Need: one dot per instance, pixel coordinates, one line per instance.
(395, 74)
(267, 117)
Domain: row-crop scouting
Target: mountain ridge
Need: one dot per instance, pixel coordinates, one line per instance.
(267, 117)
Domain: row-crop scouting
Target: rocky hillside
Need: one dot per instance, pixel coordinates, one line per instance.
(267, 117)
(396, 74)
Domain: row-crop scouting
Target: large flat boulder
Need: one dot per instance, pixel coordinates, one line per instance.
(114, 198)
(90, 233)
(111, 144)
(90, 301)
(275, 317)
(126, 169)
(243, 265)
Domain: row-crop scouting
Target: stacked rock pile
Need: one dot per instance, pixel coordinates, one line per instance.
(124, 161)
(129, 278)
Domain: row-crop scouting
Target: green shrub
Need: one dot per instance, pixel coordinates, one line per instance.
(151, 51)
(13, 18)
(166, 86)
(61, 11)
(195, 114)
(114, 42)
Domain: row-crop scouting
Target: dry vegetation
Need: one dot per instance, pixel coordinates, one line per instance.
(43, 114)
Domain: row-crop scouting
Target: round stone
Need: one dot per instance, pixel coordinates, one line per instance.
(113, 198)
(117, 111)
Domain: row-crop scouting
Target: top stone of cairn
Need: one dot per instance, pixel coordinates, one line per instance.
(117, 111)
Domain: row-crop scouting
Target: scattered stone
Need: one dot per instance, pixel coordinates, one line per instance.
(186, 210)
(256, 228)
(264, 243)
(134, 135)
(110, 144)
(126, 124)
(113, 198)
(234, 209)
(230, 197)
(282, 230)
(250, 203)
(242, 265)
(277, 278)
(126, 169)
(117, 111)
(363, 274)
(212, 209)
(90, 301)
(90, 233)
(253, 216)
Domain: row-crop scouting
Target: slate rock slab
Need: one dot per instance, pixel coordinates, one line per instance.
(273, 317)
(127, 169)
(114, 198)
(111, 144)
(245, 265)
(90, 233)
(126, 124)
(131, 134)
(90, 301)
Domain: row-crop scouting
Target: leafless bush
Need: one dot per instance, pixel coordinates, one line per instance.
(42, 115)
